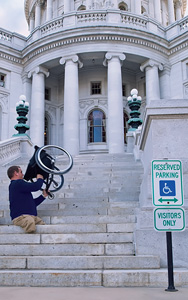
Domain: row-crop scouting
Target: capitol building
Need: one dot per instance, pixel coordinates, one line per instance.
(77, 68)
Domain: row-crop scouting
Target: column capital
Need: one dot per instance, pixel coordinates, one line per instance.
(110, 55)
(38, 70)
(151, 63)
(38, 3)
(74, 58)
(178, 3)
(166, 69)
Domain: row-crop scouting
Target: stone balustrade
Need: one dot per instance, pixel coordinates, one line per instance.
(104, 17)
(134, 20)
(13, 148)
(5, 36)
(91, 17)
(52, 26)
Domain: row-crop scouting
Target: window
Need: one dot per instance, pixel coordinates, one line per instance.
(0, 123)
(47, 94)
(124, 90)
(96, 127)
(95, 88)
(82, 7)
(125, 119)
(2, 80)
(46, 132)
(123, 6)
(143, 10)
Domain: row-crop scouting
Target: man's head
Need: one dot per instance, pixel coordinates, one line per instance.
(15, 172)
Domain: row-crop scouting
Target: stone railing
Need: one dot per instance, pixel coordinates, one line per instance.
(89, 18)
(183, 25)
(133, 21)
(5, 36)
(18, 41)
(14, 148)
(54, 25)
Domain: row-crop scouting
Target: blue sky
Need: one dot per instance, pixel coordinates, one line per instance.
(12, 16)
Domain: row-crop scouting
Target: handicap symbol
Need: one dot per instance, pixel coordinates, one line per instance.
(167, 188)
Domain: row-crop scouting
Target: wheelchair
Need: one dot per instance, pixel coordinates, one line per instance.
(51, 162)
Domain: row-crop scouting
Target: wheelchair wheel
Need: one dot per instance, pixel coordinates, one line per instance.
(56, 182)
(60, 160)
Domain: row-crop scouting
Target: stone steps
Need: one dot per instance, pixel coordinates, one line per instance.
(89, 239)
(79, 262)
(63, 238)
(92, 278)
(72, 228)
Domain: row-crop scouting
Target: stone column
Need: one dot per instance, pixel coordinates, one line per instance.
(164, 16)
(132, 6)
(157, 10)
(37, 106)
(89, 4)
(151, 8)
(37, 13)
(165, 82)
(71, 104)
(27, 87)
(171, 16)
(152, 68)
(32, 22)
(137, 7)
(178, 6)
(115, 102)
(66, 6)
(4, 118)
(49, 10)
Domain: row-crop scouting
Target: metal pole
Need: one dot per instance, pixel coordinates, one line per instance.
(171, 287)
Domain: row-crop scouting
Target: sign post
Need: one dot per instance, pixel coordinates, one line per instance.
(167, 192)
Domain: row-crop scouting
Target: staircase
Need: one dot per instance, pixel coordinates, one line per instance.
(88, 239)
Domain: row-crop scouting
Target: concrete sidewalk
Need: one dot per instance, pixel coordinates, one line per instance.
(131, 293)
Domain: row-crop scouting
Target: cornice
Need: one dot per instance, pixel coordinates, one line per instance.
(10, 58)
(29, 55)
(32, 51)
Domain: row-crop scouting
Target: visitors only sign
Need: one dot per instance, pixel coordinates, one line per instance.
(167, 185)
(169, 219)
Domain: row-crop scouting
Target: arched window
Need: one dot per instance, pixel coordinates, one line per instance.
(0, 123)
(143, 10)
(96, 126)
(82, 7)
(46, 132)
(123, 6)
(125, 120)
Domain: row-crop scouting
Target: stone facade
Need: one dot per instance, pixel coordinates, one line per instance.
(76, 44)
(77, 68)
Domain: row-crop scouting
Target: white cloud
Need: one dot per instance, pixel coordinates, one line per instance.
(12, 16)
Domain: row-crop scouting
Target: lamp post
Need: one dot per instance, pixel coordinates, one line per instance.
(22, 108)
(134, 103)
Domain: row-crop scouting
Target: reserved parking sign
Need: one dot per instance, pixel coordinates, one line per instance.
(167, 185)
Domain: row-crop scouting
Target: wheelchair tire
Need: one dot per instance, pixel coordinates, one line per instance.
(55, 170)
(56, 186)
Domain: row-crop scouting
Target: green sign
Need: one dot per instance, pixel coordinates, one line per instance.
(169, 219)
(167, 183)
